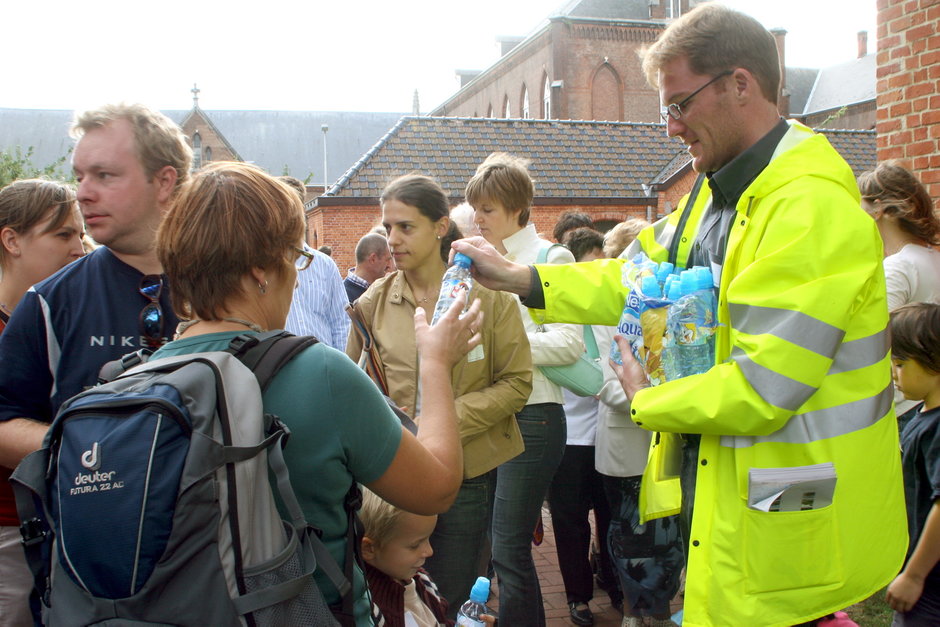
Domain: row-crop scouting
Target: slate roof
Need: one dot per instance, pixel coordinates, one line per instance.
(846, 83)
(800, 81)
(271, 139)
(570, 159)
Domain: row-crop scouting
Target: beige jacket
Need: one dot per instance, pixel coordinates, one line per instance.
(488, 390)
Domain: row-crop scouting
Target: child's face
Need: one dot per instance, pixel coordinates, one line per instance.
(914, 381)
(401, 555)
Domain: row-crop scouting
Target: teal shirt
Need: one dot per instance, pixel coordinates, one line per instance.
(341, 429)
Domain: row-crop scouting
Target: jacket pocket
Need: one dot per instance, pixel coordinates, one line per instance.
(791, 550)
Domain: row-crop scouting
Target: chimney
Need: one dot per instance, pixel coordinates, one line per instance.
(862, 43)
(783, 98)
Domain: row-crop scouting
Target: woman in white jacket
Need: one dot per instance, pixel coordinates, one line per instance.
(647, 558)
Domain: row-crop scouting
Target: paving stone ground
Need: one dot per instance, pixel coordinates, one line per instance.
(553, 589)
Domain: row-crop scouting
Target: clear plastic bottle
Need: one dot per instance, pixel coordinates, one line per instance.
(693, 325)
(471, 612)
(456, 278)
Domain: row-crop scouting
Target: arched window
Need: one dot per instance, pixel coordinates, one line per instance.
(208, 154)
(546, 99)
(197, 151)
(606, 94)
(525, 103)
(489, 111)
(507, 111)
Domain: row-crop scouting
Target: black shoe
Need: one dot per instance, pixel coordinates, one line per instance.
(580, 614)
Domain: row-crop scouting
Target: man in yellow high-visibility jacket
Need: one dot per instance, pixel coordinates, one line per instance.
(802, 373)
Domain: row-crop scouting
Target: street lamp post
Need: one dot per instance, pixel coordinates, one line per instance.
(326, 178)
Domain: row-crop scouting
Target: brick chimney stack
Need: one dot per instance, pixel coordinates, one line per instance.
(783, 94)
(862, 43)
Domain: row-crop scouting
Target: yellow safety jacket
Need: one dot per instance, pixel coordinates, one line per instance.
(802, 377)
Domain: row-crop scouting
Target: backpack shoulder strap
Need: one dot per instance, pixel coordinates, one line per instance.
(266, 354)
(543, 253)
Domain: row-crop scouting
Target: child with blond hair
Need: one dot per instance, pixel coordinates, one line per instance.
(394, 546)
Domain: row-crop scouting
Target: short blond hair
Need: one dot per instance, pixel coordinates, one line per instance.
(622, 235)
(379, 518)
(715, 39)
(160, 142)
(505, 179)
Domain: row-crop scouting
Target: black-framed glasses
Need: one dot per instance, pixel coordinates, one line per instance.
(150, 320)
(674, 110)
(304, 258)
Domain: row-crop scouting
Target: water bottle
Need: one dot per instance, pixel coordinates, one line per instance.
(456, 278)
(670, 352)
(691, 326)
(471, 612)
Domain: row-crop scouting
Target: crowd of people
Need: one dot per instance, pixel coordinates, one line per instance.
(807, 264)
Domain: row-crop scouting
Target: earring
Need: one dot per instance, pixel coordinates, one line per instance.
(438, 237)
(263, 287)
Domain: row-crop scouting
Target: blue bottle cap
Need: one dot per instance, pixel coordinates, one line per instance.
(461, 259)
(481, 590)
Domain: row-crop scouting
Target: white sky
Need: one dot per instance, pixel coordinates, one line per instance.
(340, 55)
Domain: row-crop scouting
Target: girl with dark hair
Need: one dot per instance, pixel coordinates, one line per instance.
(490, 384)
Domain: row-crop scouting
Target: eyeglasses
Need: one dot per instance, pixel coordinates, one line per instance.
(304, 259)
(674, 110)
(151, 316)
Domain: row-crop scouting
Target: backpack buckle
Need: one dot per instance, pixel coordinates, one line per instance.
(242, 343)
(33, 532)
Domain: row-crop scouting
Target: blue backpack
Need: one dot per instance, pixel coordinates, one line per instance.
(152, 500)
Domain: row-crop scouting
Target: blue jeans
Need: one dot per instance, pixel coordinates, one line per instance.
(521, 485)
(459, 539)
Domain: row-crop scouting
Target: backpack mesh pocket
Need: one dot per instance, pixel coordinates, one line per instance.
(306, 608)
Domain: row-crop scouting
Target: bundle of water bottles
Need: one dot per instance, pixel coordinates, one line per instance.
(669, 318)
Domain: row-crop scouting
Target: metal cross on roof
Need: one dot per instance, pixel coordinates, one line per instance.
(195, 90)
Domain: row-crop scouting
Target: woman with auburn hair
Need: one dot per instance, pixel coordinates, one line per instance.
(40, 231)
(490, 385)
(904, 213)
(231, 249)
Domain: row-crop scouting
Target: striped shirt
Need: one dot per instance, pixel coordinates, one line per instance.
(319, 304)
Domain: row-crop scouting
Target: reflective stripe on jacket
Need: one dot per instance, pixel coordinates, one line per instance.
(802, 377)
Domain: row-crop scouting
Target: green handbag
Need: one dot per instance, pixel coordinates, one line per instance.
(584, 377)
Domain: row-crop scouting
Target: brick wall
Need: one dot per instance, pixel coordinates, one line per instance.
(596, 65)
(908, 115)
(212, 144)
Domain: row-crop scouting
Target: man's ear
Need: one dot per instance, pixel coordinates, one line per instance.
(368, 548)
(165, 180)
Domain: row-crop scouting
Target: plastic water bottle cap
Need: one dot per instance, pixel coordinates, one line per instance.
(461, 259)
(675, 290)
(664, 271)
(481, 590)
(650, 287)
(704, 278)
(689, 281)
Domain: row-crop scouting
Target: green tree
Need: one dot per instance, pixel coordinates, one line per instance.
(14, 164)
